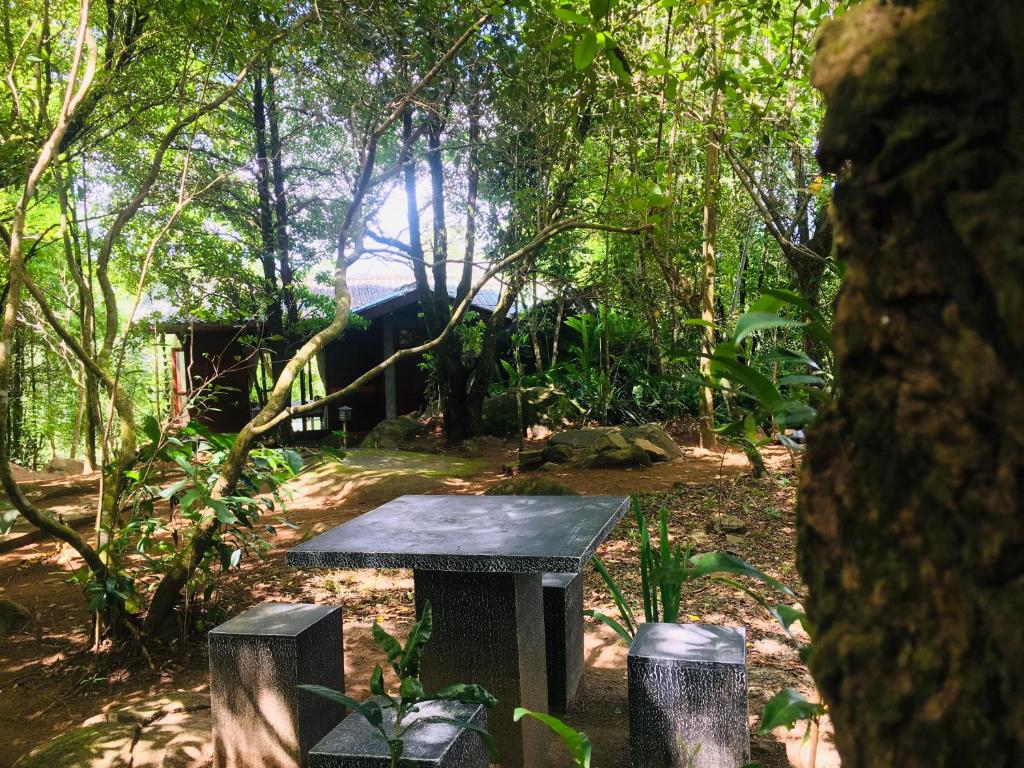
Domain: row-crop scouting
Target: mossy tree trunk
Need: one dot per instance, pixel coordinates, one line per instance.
(911, 512)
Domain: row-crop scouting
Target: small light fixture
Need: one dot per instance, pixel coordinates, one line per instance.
(345, 415)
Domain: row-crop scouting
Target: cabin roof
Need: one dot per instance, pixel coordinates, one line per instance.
(370, 299)
(376, 298)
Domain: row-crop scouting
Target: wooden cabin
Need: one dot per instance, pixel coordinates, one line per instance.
(224, 369)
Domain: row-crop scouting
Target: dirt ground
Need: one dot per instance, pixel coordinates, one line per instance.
(50, 681)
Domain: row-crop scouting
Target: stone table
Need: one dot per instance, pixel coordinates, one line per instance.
(479, 561)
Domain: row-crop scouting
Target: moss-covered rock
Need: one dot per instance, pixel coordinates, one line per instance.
(391, 433)
(595, 439)
(656, 434)
(631, 456)
(559, 454)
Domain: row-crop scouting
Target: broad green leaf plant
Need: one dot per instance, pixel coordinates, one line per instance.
(577, 742)
(168, 496)
(665, 570)
(404, 661)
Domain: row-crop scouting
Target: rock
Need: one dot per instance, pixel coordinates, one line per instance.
(559, 454)
(67, 466)
(655, 434)
(532, 458)
(619, 457)
(654, 452)
(548, 466)
(530, 485)
(391, 433)
(168, 732)
(734, 539)
(13, 617)
(728, 524)
(541, 406)
(617, 440)
(596, 439)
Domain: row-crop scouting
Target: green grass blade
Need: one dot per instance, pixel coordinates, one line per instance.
(620, 601)
(619, 629)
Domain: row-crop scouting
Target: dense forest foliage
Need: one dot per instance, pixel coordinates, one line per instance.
(640, 181)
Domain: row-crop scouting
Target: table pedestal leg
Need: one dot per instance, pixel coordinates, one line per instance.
(489, 629)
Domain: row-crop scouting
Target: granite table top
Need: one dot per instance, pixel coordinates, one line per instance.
(510, 534)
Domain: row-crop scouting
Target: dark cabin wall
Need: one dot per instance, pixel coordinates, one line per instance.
(359, 350)
(217, 354)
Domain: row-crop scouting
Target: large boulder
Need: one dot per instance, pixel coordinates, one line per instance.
(655, 434)
(172, 731)
(67, 466)
(391, 433)
(612, 446)
(545, 406)
(593, 440)
(654, 452)
(559, 454)
(630, 456)
(529, 485)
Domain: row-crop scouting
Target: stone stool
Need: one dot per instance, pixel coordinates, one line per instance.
(257, 660)
(563, 637)
(357, 744)
(688, 697)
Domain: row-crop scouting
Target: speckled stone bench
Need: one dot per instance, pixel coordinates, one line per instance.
(563, 637)
(688, 697)
(257, 660)
(356, 744)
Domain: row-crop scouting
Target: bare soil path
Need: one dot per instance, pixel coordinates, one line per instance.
(50, 681)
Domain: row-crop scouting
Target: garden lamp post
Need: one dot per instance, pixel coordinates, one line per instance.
(345, 414)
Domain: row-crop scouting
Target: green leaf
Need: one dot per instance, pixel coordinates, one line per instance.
(223, 513)
(386, 642)
(618, 64)
(418, 637)
(793, 413)
(619, 629)
(599, 9)
(586, 50)
(410, 688)
(787, 708)
(620, 601)
(173, 488)
(377, 681)
(751, 322)
(713, 563)
(570, 16)
(759, 385)
(294, 460)
(577, 743)
(151, 429)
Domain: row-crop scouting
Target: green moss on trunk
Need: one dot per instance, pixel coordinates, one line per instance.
(912, 503)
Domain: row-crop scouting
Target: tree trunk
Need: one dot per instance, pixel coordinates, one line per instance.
(911, 514)
(708, 438)
(274, 329)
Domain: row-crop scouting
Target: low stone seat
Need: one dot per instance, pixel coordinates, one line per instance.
(257, 661)
(563, 637)
(354, 743)
(688, 696)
